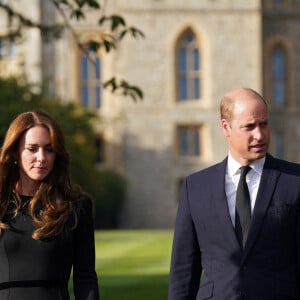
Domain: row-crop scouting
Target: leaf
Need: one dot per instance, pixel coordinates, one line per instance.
(90, 3)
(80, 3)
(125, 88)
(74, 9)
(111, 83)
(102, 20)
(94, 46)
(138, 91)
(136, 32)
(108, 45)
(122, 34)
(117, 21)
(94, 4)
(78, 14)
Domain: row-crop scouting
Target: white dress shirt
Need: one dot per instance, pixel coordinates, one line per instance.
(232, 178)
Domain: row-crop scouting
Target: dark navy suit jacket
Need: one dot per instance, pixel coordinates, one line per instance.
(206, 250)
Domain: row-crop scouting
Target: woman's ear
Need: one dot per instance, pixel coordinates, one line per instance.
(15, 158)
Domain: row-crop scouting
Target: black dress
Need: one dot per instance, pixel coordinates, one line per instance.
(40, 269)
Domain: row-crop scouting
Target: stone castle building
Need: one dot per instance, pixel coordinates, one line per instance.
(193, 52)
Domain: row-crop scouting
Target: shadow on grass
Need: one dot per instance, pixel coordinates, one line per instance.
(134, 287)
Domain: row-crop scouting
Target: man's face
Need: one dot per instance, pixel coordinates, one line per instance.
(248, 133)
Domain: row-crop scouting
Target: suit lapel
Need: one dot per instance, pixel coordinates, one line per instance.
(267, 185)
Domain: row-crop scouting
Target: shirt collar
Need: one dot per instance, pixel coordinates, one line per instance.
(233, 166)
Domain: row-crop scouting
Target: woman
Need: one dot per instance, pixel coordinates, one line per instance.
(46, 226)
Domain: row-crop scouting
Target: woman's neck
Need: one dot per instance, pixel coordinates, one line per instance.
(26, 190)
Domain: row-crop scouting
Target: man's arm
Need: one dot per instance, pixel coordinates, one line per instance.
(186, 257)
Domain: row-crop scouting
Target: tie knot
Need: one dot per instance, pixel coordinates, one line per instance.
(244, 170)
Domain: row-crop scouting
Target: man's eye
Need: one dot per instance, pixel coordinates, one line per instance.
(249, 127)
(264, 124)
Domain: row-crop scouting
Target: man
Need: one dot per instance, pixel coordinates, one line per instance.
(214, 255)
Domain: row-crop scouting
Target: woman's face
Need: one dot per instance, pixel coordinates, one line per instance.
(36, 157)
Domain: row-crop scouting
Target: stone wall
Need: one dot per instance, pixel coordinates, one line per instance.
(141, 136)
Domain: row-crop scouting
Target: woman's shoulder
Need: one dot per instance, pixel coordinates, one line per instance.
(84, 201)
(83, 204)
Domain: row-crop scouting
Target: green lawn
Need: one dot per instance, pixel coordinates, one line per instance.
(133, 265)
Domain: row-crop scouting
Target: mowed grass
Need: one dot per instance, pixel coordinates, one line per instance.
(133, 264)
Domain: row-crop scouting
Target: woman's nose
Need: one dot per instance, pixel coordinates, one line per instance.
(41, 155)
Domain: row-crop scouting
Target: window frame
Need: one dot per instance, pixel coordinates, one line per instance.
(194, 144)
(279, 76)
(188, 66)
(90, 84)
(272, 43)
(7, 49)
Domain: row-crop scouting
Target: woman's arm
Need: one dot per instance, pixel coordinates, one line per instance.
(84, 275)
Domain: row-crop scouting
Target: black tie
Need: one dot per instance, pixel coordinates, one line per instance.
(243, 209)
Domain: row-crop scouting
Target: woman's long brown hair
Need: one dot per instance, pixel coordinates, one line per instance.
(52, 207)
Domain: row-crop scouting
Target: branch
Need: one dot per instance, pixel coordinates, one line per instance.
(109, 39)
(124, 88)
(53, 30)
(69, 27)
(93, 46)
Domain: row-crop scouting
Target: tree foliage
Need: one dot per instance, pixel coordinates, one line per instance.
(114, 29)
(106, 187)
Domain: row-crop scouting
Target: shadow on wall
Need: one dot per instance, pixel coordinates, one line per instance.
(153, 177)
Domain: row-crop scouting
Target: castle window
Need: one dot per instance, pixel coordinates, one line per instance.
(189, 141)
(278, 144)
(188, 67)
(279, 77)
(7, 49)
(90, 77)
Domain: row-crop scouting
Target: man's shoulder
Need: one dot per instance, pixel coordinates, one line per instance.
(210, 170)
(283, 165)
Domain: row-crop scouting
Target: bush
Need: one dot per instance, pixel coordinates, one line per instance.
(110, 199)
(106, 187)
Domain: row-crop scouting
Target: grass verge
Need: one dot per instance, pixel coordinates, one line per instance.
(133, 264)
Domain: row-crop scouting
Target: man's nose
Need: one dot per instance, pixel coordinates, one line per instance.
(258, 133)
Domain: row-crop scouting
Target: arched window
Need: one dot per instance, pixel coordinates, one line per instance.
(188, 67)
(279, 76)
(7, 48)
(90, 79)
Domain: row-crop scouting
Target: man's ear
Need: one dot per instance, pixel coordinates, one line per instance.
(225, 127)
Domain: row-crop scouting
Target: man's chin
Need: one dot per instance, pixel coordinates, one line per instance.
(259, 155)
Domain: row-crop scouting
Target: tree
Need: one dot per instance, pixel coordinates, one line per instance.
(106, 187)
(114, 28)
